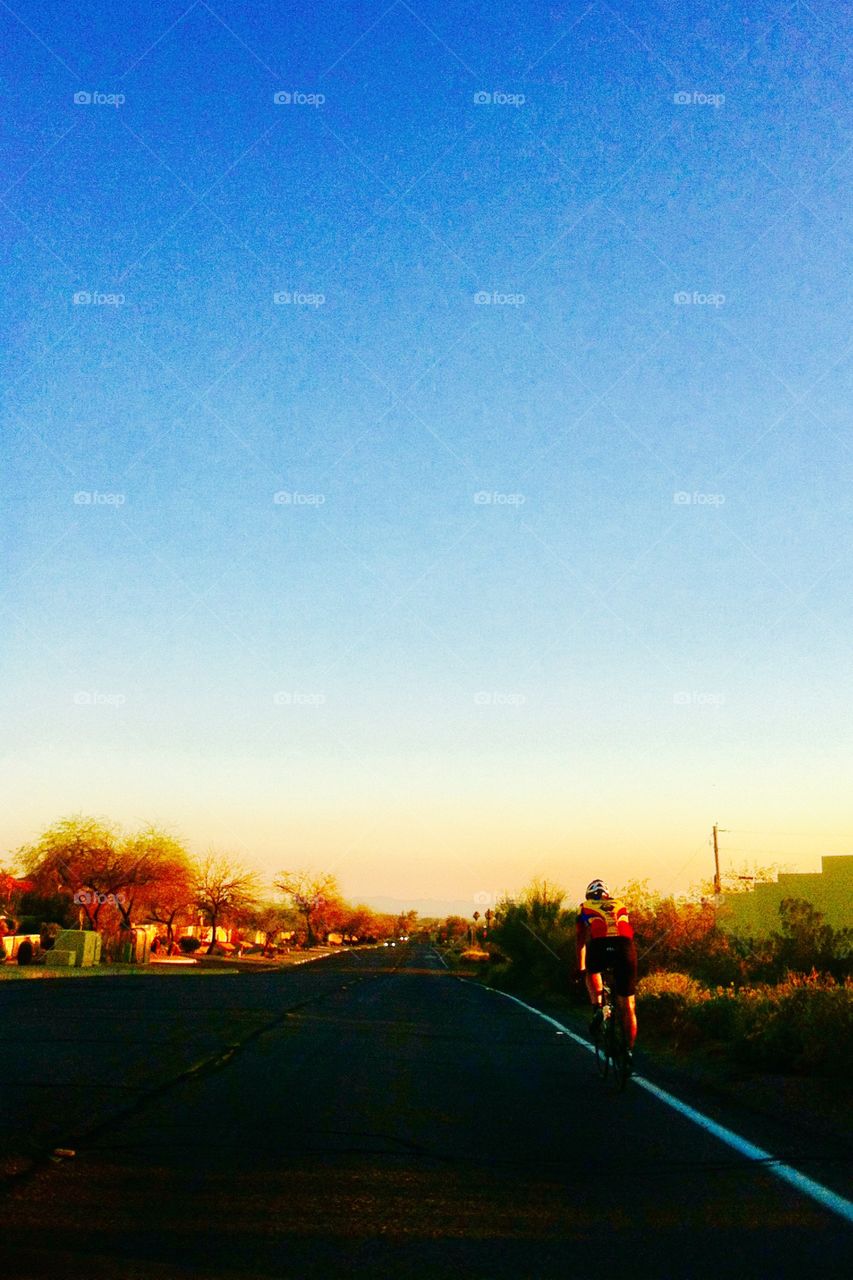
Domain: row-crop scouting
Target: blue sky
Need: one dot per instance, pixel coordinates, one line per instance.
(564, 574)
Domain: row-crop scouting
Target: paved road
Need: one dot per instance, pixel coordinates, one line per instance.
(366, 1115)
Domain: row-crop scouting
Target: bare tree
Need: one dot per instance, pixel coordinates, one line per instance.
(271, 919)
(222, 888)
(171, 895)
(315, 896)
(405, 923)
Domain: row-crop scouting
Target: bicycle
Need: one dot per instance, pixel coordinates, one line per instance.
(611, 1045)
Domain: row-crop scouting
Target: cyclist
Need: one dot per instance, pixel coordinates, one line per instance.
(605, 940)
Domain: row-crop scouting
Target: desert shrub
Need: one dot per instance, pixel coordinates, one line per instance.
(28, 924)
(805, 942)
(720, 1017)
(679, 936)
(687, 937)
(35, 907)
(501, 975)
(27, 952)
(48, 934)
(671, 984)
(801, 1024)
(804, 1023)
(537, 936)
(668, 1002)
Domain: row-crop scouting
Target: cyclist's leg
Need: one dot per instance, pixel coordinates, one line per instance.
(628, 1009)
(594, 987)
(626, 986)
(594, 964)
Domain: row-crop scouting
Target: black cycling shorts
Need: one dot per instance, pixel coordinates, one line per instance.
(618, 954)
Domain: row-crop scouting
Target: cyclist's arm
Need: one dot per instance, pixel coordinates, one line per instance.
(580, 944)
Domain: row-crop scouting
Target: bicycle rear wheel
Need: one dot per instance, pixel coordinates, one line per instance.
(619, 1051)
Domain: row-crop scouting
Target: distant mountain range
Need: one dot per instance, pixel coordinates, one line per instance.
(426, 907)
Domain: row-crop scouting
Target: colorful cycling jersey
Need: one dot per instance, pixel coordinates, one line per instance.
(605, 918)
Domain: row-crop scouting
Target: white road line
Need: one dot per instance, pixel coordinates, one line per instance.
(807, 1186)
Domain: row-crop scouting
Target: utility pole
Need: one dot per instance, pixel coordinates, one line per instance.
(717, 886)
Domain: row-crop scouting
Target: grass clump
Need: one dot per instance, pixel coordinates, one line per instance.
(801, 1024)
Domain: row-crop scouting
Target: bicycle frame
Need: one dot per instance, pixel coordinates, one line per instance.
(611, 1047)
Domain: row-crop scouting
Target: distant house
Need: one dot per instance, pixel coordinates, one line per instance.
(755, 913)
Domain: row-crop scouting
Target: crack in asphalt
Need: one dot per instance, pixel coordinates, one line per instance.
(46, 1154)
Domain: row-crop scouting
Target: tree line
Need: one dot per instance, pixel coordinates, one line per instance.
(90, 873)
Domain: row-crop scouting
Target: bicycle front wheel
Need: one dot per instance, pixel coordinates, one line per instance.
(602, 1048)
(619, 1053)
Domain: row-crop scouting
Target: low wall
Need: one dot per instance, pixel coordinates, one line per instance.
(84, 943)
(11, 943)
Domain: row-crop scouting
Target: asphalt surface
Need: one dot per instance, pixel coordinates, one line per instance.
(366, 1115)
